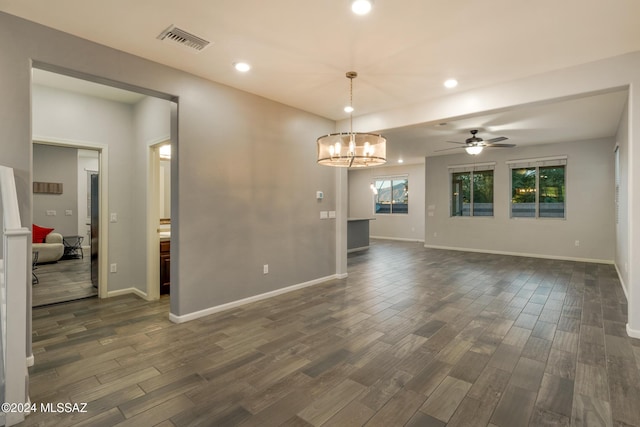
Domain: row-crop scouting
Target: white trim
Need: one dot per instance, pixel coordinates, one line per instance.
(391, 177)
(523, 254)
(361, 248)
(537, 160)
(399, 239)
(633, 333)
(30, 361)
(128, 291)
(153, 218)
(624, 288)
(488, 165)
(233, 304)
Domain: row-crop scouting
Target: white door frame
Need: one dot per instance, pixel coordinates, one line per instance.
(103, 179)
(153, 217)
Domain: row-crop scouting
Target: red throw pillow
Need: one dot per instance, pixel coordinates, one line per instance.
(40, 233)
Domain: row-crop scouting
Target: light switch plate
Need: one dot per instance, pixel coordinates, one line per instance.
(324, 215)
(332, 214)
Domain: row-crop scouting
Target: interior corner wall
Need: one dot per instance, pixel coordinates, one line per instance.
(399, 227)
(589, 208)
(88, 160)
(57, 211)
(152, 122)
(247, 172)
(622, 223)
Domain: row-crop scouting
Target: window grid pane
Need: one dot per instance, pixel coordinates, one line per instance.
(523, 192)
(483, 193)
(460, 194)
(552, 192)
(392, 196)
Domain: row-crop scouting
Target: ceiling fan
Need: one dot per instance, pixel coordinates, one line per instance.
(474, 145)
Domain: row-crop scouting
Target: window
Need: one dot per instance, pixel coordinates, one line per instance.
(538, 188)
(472, 190)
(392, 195)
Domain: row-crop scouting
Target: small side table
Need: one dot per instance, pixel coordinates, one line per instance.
(73, 247)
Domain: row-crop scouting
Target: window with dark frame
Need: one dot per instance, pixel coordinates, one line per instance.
(391, 195)
(472, 190)
(538, 188)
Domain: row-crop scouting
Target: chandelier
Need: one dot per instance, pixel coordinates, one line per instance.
(352, 149)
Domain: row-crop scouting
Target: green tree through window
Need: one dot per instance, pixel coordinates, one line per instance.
(472, 186)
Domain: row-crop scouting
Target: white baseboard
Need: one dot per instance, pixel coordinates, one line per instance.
(624, 287)
(633, 333)
(202, 313)
(127, 291)
(399, 239)
(522, 254)
(30, 361)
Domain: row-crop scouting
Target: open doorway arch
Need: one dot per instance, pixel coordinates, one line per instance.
(103, 179)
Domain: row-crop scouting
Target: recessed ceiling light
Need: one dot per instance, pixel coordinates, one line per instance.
(242, 66)
(451, 83)
(348, 109)
(400, 161)
(361, 7)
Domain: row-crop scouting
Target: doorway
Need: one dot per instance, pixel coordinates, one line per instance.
(66, 203)
(159, 217)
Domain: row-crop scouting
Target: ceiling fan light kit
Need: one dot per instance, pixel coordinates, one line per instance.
(352, 149)
(474, 150)
(474, 145)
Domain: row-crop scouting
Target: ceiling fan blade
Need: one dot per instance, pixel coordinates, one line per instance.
(496, 139)
(456, 142)
(447, 149)
(500, 145)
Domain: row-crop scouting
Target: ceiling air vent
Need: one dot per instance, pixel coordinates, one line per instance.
(183, 38)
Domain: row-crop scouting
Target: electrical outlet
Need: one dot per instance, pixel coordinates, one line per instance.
(113, 268)
(577, 243)
(265, 269)
(113, 217)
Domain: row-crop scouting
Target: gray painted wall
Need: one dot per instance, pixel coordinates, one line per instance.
(401, 227)
(152, 119)
(56, 164)
(65, 116)
(247, 175)
(589, 206)
(623, 223)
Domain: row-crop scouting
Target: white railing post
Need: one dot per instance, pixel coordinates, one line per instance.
(14, 307)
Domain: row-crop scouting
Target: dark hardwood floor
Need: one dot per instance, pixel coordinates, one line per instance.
(65, 280)
(414, 336)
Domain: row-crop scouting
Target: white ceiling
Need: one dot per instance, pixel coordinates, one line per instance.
(402, 51)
